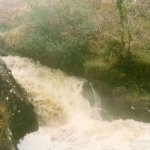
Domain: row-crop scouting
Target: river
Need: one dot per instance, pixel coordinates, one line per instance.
(67, 120)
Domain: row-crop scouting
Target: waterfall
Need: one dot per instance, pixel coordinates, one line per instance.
(96, 107)
(94, 94)
(66, 117)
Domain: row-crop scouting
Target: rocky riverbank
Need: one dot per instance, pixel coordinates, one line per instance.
(22, 118)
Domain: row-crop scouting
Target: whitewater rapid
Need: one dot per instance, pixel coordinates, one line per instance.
(67, 121)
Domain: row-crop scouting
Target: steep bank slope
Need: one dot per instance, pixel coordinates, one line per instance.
(22, 117)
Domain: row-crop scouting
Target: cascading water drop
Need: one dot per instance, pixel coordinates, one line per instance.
(66, 118)
(94, 93)
(96, 106)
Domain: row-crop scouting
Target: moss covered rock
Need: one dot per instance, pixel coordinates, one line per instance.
(22, 116)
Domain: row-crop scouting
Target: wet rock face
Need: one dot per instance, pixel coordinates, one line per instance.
(5, 146)
(130, 107)
(23, 119)
(8, 143)
(88, 92)
(124, 103)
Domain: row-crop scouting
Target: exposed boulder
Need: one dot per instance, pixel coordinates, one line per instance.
(7, 141)
(22, 116)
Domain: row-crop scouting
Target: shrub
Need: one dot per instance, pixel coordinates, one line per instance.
(98, 42)
(57, 35)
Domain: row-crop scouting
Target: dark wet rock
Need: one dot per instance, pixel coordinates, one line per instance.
(122, 103)
(130, 106)
(23, 118)
(6, 146)
(7, 142)
(88, 92)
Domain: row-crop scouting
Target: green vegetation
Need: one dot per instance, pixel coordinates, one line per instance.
(96, 42)
(106, 43)
(4, 122)
(58, 36)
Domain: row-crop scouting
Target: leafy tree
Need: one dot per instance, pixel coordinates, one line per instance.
(125, 32)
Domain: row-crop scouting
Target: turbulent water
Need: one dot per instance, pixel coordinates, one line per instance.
(67, 121)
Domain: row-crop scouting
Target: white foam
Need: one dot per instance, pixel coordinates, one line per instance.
(67, 115)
